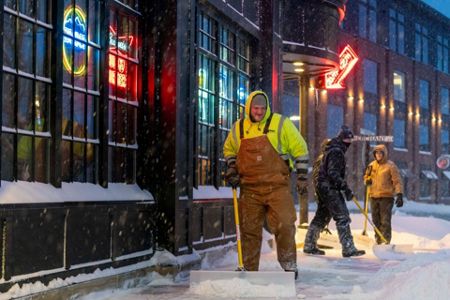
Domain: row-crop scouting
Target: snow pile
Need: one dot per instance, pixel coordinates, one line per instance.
(422, 276)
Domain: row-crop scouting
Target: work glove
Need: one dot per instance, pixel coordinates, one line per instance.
(302, 184)
(232, 175)
(347, 192)
(368, 181)
(399, 200)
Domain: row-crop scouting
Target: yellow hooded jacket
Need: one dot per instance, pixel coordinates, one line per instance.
(386, 180)
(282, 134)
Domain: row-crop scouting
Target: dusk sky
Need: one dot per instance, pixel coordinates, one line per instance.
(443, 6)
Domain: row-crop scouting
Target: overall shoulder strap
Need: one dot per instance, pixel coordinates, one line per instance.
(266, 127)
(241, 128)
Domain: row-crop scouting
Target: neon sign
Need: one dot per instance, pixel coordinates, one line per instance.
(334, 78)
(74, 26)
(118, 67)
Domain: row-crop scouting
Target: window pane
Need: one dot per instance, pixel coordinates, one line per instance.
(41, 103)
(424, 138)
(370, 76)
(25, 46)
(42, 52)
(79, 115)
(8, 99)
(370, 122)
(7, 156)
(335, 117)
(399, 86)
(78, 162)
(24, 159)
(424, 94)
(26, 7)
(445, 107)
(41, 162)
(9, 41)
(399, 133)
(25, 104)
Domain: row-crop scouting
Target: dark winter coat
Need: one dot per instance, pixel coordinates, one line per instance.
(332, 170)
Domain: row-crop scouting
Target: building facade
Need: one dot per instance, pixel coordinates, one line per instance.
(114, 114)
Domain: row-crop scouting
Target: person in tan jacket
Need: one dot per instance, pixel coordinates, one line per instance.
(384, 182)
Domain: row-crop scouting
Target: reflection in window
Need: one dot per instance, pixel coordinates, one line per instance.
(396, 31)
(370, 76)
(445, 120)
(370, 122)
(81, 49)
(442, 54)
(123, 62)
(368, 19)
(335, 117)
(400, 110)
(223, 57)
(424, 136)
(421, 43)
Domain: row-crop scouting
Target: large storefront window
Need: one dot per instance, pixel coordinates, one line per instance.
(123, 63)
(80, 101)
(223, 85)
(25, 138)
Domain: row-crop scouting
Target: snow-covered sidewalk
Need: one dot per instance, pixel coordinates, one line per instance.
(423, 274)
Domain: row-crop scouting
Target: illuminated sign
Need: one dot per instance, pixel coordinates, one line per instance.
(334, 78)
(74, 27)
(118, 67)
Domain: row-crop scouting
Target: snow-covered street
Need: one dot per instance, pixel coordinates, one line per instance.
(422, 274)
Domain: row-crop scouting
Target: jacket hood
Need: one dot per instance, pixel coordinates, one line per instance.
(248, 104)
(383, 149)
(336, 143)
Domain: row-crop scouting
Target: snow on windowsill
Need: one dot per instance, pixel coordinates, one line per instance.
(210, 192)
(34, 192)
(425, 152)
(400, 149)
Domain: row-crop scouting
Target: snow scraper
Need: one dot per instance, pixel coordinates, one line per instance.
(282, 284)
(403, 248)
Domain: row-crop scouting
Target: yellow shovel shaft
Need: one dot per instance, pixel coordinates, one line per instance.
(370, 221)
(366, 208)
(238, 230)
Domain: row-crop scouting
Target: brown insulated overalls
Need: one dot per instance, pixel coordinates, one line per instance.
(265, 190)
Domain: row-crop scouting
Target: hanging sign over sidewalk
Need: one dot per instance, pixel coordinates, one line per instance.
(374, 138)
(334, 78)
(443, 161)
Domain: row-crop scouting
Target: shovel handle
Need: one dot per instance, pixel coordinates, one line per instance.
(238, 231)
(370, 221)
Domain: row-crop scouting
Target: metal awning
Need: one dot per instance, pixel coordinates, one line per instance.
(429, 175)
(447, 174)
(406, 173)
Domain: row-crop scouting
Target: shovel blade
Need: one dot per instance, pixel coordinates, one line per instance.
(243, 283)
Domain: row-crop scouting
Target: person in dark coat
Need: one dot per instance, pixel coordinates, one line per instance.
(331, 188)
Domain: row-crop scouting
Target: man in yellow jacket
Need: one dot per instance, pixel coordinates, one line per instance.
(260, 149)
(384, 182)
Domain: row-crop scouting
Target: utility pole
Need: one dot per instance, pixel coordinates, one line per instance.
(303, 113)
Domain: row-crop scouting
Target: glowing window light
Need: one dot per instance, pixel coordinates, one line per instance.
(74, 25)
(118, 73)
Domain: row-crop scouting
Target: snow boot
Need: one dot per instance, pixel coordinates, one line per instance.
(310, 246)
(346, 239)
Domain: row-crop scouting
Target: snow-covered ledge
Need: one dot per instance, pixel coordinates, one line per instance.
(210, 192)
(35, 192)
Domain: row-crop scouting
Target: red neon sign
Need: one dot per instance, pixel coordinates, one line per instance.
(334, 78)
(118, 67)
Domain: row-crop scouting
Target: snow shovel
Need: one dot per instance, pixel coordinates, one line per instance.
(404, 248)
(282, 283)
